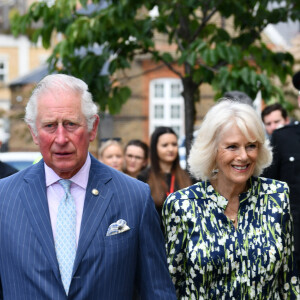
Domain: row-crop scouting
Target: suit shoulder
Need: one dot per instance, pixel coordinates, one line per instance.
(292, 126)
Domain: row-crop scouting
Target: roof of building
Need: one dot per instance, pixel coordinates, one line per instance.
(34, 76)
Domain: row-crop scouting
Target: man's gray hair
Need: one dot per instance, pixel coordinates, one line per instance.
(61, 82)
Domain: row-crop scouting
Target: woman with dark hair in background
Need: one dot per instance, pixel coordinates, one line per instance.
(136, 157)
(164, 175)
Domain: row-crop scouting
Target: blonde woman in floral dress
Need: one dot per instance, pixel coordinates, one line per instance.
(230, 235)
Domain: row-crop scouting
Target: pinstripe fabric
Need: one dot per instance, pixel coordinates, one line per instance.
(105, 267)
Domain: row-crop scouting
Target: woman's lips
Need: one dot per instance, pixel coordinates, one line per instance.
(241, 168)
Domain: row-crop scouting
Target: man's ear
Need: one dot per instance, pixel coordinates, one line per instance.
(93, 132)
(34, 137)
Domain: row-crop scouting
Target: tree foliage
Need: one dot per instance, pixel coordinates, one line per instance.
(218, 42)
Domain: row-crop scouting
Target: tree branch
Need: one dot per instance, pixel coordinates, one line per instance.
(200, 28)
(167, 64)
(126, 77)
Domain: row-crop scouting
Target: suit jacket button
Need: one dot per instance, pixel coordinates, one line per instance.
(95, 192)
(291, 158)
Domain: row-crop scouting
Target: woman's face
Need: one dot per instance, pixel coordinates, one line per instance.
(113, 157)
(236, 157)
(167, 147)
(135, 160)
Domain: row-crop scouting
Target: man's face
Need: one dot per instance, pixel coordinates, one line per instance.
(274, 120)
(62, 133)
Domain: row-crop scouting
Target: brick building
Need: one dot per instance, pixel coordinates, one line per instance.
(17, 57)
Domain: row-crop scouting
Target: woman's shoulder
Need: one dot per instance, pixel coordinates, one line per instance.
(270, 186)
(189, 193)
(274, 193)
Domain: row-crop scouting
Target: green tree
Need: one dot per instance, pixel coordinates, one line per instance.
(218, 42)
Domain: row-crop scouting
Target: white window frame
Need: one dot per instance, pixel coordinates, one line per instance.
(166, 101)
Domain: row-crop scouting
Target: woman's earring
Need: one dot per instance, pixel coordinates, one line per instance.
(215, 171)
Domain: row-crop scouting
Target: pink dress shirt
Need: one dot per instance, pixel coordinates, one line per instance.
(55, 193)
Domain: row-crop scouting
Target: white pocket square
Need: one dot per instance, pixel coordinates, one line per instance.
(117, 227)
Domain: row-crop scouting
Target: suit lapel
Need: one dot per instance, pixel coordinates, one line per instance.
(95, 206)
(36, 206)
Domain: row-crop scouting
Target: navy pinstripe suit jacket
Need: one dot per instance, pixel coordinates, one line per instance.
(106, 267)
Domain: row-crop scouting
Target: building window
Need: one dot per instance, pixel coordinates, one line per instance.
(166, 105)
(175, 111)
(3, 70)
(158, 112)
(158, 90)
(175, 90)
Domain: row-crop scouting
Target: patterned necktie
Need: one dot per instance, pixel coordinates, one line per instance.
(65, 241)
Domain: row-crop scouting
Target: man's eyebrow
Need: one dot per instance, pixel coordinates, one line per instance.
(75, 120)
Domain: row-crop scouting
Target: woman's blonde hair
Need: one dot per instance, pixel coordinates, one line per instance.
(107, 144)
(222, 116)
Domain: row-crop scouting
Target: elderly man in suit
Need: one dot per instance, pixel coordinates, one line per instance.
(71, 227)
(286, 166)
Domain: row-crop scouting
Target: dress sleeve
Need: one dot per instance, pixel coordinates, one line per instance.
(176, 231)
(288, 276)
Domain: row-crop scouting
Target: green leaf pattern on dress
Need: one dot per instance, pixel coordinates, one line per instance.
(209, 258)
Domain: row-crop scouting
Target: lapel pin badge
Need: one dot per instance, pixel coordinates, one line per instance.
(95, 192)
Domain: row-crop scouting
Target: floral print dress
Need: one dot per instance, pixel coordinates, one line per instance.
(211, 259)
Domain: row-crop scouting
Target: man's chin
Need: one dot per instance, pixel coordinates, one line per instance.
(65, 171)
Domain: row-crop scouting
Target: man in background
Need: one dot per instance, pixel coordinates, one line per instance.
(274, 116)
(70, 226)
(286, 166)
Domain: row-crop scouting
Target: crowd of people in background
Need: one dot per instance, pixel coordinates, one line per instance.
(164, 175)
(157, 165)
